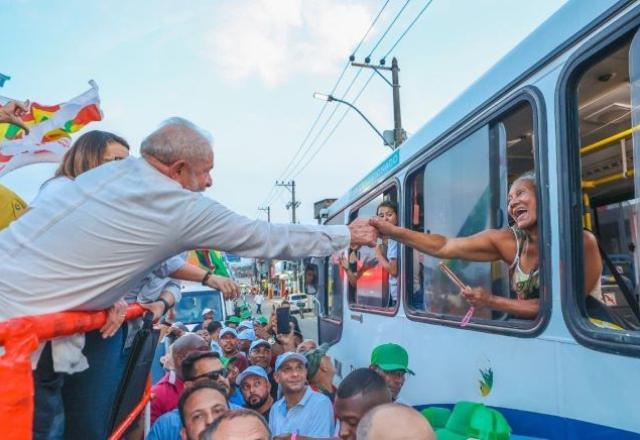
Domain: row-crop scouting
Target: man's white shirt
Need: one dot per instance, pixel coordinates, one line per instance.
(86, 244)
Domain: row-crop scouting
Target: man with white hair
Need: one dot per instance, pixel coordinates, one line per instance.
(89, 242)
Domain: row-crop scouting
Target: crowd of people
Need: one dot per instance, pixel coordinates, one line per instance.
(243, 375)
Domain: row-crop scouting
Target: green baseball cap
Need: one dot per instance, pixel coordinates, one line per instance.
(474, 420)
(234, 319)
(262, 320)
(437, 416)
(245, 314)
(391, 357)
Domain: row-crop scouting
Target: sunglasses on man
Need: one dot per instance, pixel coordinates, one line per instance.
(213, 375)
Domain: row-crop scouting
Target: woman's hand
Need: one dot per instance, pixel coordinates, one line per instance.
(229, 288)
(477, 296)
(384, 228)
(115, 317)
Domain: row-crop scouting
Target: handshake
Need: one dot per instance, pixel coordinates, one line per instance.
(365, 232)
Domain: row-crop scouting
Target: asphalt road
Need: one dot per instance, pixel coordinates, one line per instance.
(308, 325)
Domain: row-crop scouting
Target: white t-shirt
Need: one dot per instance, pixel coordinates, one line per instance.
(259, 299)
(392, 254)
(81, 246)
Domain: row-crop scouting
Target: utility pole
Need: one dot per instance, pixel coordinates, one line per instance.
(398, 132)
(268, 210)
(398, 136)
(267, 261)
(293, 204)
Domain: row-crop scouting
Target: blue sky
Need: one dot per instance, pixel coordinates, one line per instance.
(246, 70)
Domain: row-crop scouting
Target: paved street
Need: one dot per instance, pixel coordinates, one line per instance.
(308, 325)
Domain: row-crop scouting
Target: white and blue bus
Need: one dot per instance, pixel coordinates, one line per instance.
(562, 103)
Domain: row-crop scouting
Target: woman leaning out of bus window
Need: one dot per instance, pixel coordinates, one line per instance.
(517, 246)
(387, 253)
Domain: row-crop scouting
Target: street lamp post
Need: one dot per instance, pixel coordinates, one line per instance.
(329, 98)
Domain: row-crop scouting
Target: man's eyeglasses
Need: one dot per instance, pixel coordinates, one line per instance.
(213, 375)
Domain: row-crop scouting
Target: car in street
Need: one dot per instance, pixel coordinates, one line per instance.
(300, 301)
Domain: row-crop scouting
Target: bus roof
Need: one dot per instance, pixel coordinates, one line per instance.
(549, 40)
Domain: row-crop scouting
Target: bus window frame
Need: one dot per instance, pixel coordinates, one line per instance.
(570, 196)
(392, 182)
(327, 320)
(490, 113)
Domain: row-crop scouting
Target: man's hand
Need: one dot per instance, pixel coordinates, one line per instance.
(229, 288)
(12, 111)
(155, 307)
(362, 233)
(115, 318)
(288, 341)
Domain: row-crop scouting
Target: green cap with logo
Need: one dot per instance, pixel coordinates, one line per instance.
(474, 420)
(391, 357)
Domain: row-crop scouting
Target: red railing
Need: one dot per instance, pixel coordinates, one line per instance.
(20, 337)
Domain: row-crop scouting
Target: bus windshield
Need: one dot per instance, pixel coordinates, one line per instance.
(192, 304)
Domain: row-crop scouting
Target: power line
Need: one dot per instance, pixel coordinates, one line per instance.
(275, 188)
(408, 28)
(388, 29)
(417, 17)
(373, 23)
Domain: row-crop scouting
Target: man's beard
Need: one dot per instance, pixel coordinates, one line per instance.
(258, 404)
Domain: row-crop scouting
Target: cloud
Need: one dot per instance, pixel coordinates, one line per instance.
(276, 40)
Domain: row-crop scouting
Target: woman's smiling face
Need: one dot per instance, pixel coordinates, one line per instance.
(521, 204)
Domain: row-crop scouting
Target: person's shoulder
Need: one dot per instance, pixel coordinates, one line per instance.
(318, 397)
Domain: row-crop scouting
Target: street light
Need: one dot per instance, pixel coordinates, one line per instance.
(329, 98)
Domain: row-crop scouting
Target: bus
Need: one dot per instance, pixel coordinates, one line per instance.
(562, 103)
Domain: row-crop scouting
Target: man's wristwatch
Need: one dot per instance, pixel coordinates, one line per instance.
(206, 277)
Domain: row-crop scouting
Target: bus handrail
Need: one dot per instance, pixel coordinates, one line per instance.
(609, 140)
(20, 337)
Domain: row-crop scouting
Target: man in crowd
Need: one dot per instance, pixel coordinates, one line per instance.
(196, 367)
(167, 391)
(360, 391)
(301, 410)
(245, 338)
(207, 317)
(393, 421)
(320, 371)
(244, 325)
(214, 328)
(256, 390)
(259, 299)
(157, 194)
(229, 343)
(391, 361)
(200, 406)
(239, 424)
(260, 354)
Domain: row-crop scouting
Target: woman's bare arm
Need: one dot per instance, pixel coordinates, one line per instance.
(479, 247)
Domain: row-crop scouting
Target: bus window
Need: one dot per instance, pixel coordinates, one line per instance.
(332, 299)
(372, 273)
(609, 276)
(459, 193)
